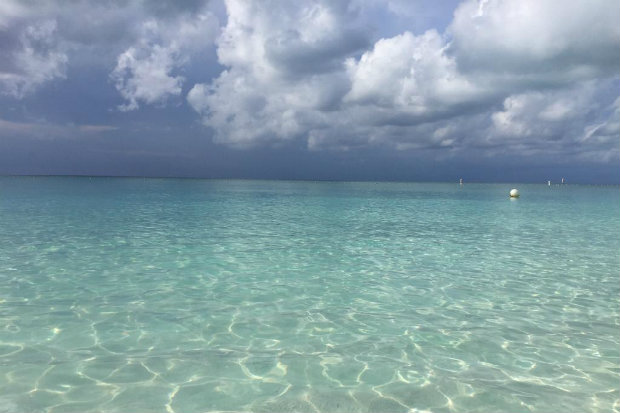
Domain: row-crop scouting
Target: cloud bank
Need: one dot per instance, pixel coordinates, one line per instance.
(504, 76)
(477, 78)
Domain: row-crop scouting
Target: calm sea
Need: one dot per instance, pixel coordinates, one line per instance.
(164, 295)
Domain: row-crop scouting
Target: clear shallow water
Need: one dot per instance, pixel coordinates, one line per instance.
(133, 295)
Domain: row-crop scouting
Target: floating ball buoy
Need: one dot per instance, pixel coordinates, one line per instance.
(514, 193)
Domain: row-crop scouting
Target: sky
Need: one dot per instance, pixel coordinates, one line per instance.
(405, 90)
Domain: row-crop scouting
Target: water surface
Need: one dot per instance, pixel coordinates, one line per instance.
(162, 295)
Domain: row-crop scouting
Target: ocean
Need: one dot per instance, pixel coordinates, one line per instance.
(188, 295)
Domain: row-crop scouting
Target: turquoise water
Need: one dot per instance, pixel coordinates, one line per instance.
(161, 295)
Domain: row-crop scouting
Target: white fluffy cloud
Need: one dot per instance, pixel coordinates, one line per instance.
(286, 70)
(542, 114)
(522, 72)
(552, 122)
(411, 73)
(145, 72)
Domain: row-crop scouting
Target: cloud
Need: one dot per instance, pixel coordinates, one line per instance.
(47, 130)
(33, 58)
(550, 114)
(602, 135)
(544, 41)
(286, 70)
(145, 72)
(552, 123)
(409, 73)
(146, 78)
(490, 77)
(41, 41)
(505, 75)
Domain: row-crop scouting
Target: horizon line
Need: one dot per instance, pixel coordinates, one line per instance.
(456, 181)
